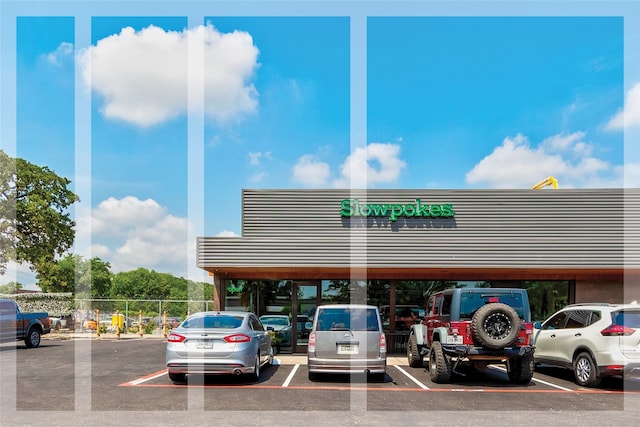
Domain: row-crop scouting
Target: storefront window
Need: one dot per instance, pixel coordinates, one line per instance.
(258, 296)
(275, 296)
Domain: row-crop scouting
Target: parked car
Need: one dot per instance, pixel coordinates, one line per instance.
(347, 338)
(172, 322)
(221, 342)
(276, 321)
(593, 340)
(281, 325)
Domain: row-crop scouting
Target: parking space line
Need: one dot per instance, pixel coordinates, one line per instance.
(145, 378)
(140, 382)
(291, 375)
(499, 368)
(419, 384)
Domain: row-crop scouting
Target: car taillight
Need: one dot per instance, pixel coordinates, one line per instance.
(383, 344)
(617, 331)
(236, 338)
(312, 343)
(528, 327)
(176, 338)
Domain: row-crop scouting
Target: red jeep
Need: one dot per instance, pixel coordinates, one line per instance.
(476, 326)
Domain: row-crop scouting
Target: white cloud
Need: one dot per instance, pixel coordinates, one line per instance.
(377, 163)
(142, 75)
(227, 233)
(131, 233)
(311, 172)
(630, 115)
(62, 53)
(258, 177)
(632, 175)
(518, 164)
(116, 216)
(254, 158)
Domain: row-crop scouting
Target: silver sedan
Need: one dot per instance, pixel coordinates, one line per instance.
(218, 342)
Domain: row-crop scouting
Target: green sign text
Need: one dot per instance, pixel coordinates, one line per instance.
(353, 207)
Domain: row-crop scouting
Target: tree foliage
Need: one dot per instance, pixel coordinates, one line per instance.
(147, 284)
(86, 279)
(7, 210)
(10, 287)
(36, 225)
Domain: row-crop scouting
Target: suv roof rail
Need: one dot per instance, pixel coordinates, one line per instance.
(579, 304)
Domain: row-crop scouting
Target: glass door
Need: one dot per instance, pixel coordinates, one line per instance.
(306, 298)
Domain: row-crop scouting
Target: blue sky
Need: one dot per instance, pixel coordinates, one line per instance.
(276, 101)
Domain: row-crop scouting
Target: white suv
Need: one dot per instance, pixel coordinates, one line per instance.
(594, 340)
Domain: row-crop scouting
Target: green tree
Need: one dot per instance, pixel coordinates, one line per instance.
(7, 210)
(10, 287)
(86, 279)
(144, 284)
(36, 225)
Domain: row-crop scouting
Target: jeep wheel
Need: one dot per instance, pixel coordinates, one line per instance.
(585, 371)
(521, 369)
(413, 354)
(495, 325)
(439, 364)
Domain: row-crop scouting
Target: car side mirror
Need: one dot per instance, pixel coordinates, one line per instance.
(308, 325)
(537, 325)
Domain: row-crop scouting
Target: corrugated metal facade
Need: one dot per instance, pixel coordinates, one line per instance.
(521, 229)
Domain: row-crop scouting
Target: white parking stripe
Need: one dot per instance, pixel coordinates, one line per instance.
(422, 386)
(290, 377)
(145, 379)
(500, 368)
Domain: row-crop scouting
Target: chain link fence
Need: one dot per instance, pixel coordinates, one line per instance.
(95, 313)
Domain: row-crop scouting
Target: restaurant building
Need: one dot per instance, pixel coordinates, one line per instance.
(393, 248)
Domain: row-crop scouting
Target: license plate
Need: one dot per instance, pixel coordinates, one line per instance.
(347, 349)
(204, 344)
(454, 339)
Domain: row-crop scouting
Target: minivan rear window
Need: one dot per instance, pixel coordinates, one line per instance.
(352, 319)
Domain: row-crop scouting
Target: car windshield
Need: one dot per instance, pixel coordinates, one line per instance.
(362, 319)
(628, 318)
(472, 301)
(280, 321)
(214, 322)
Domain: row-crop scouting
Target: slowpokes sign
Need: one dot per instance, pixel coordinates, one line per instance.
(416, 209)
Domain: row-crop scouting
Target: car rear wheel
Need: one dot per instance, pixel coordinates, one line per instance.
(379, 378)
(177, 378)
(413, 354)
(270, 358)
(32, 340)
(255, 376)
(439, 364)
(585, 370)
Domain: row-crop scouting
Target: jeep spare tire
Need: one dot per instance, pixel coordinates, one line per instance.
(495, 325)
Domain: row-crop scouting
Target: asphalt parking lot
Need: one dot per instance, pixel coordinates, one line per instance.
(105, 374)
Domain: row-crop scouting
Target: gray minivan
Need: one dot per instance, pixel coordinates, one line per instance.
(347, 338)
